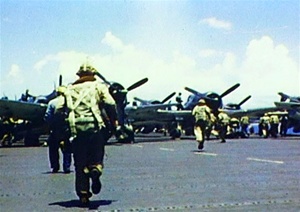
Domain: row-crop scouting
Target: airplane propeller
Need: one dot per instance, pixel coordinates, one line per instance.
(137, 84)
(119, 94)
(192, 91)
(213, 100)
(102, 77)
(145, 102)
(232, 106)
(60, 80)
(168, 97)
(245, 100)
(230, 90)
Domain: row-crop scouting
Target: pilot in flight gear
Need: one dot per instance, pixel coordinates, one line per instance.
(283, 125)
(274, 123)
(264, 123)
(234, 126)
(58, 134)
(84, 99)
(223, 122)
(201, 113)
(244, 126)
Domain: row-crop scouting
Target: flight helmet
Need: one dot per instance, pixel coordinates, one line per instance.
(201, 102)
(86, 70)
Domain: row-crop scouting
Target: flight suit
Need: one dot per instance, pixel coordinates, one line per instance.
(234, 125)
(210, 125)
(201, 114)
(274, 123)
(265, 121)
(223, 122)
(83, 99)
(283, 125)
(244, 126)
(58, 137)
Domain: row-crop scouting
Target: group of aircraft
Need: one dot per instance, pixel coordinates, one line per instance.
(145, 117)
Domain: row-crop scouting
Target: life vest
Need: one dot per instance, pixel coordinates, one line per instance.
(82, 101)
(200, 113)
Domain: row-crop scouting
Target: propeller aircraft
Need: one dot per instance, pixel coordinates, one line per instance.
(182, 120)
(291, 104)
(26, 115)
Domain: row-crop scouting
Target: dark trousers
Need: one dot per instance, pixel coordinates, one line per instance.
(88, 149)
(222, 131)
(54, 145)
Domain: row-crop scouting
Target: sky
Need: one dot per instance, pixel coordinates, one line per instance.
(205, 45)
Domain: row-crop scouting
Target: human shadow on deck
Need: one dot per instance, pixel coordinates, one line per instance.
(94, 204)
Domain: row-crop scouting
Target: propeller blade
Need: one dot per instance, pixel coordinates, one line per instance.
(137, 84)
(60, 80)
(230, 90)
(102, 77)
(168, 97)
(243, 101)
(191, 90)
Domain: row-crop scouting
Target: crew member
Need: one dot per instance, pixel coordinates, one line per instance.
(201, 113)
(274, 123)
(264, 124)
(85, 99)
(283, 125)
(210, 126)
(59, 135)
(179, 101)
(244, 126)
(223, 122)
(234, 125)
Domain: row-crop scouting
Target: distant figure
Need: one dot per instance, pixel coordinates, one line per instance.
(6, 129)
(179, 101)
(223, 122)
(201, 113)
(210, 125)
(59, 135)
(264, 125)
(25, 96)
(234, 125)
(283, 125)
(274, 123)
(244, 126)
(85, 99)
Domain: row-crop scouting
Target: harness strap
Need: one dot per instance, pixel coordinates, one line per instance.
(90, 103)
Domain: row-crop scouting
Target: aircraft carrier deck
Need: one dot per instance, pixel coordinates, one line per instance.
(157, 174)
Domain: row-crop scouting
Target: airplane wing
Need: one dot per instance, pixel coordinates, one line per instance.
(145, 112)
(288, 105)
(256, 112)
(22, 110)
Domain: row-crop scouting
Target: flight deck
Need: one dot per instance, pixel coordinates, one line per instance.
(159, 174)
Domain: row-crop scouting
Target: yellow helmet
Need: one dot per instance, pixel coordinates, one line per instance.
(201, 101)
(86, 69)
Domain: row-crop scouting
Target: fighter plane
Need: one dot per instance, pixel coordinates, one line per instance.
(136, 117)
(30, 110)
(292, 106)
(182, 120)
(142, 117)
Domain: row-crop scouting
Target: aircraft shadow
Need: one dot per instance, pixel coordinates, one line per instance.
(76, 204)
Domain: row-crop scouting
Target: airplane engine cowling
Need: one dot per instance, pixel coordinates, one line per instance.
(214, 101)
